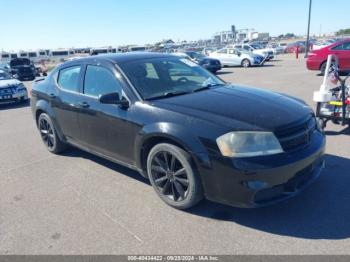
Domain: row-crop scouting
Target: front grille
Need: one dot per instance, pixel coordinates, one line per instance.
(7, 91)
(297, 136)
(25, 70)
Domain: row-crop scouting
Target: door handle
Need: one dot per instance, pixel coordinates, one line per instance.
(52, 96)
(84, 105)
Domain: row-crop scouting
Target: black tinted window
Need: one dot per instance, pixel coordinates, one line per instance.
(68, 78)
(346, 46)
(100, 81)
(343, 46)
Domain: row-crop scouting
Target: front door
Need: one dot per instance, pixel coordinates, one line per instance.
(105, 127)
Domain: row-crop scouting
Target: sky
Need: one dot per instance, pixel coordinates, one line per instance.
(27, 24)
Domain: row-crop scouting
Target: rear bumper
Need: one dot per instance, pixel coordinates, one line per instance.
(313, 64)
(260, 181)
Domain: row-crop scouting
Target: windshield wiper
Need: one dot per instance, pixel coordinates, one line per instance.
(168, 94)
(206, 87)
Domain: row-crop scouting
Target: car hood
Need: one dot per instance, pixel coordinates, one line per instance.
(20, 62)
(226, 106)
(9, 83)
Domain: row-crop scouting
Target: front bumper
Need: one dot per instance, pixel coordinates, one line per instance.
(26, 76)
(16, 97)
(259, 181)
(213, 68)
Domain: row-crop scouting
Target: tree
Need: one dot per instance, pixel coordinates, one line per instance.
(289, 35)
(343, 32)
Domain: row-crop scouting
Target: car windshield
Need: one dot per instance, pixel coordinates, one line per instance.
(4, 75)
(169, 76)
(256, 46)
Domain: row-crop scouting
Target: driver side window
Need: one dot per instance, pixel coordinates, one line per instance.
(100, 81)
(223, 51)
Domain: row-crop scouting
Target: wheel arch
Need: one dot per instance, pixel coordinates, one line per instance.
(173, 134)
(321, 64)
(43, 106)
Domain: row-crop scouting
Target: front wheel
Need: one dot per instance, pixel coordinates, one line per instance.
(245, 63)
(49, 135)
(173, 176)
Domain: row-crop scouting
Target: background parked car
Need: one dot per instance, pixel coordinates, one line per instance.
(23, 69)
(276, 48)
(257, 49)
(5, 67)
(211, 64)
(292, 48)
(317, 59)
(11, 90)
(237, 57)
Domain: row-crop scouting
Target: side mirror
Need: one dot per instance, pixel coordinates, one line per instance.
(113, 98)
(239, 53)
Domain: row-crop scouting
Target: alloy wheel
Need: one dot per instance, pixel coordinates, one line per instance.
(170, 176)
(47, 133)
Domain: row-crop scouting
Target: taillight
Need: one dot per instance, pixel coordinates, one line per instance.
(311, 54)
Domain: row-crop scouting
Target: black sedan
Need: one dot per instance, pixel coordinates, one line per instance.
(190, 133)
(211, 64)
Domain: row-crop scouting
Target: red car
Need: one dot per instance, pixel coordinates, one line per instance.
(292, 48)
(317, 59)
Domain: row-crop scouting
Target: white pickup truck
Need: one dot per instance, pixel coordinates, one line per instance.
(256, 49)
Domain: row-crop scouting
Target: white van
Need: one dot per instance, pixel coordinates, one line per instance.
(103, 50)
(137, 49)
(5, 57)
(23, 54)
(61, 53)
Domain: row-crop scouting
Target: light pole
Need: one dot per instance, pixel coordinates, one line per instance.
(308, 30)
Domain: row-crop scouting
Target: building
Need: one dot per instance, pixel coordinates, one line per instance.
(239, 35)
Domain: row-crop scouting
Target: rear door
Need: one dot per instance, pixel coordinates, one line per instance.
(222, 56)
(233, 57)
(63, 97)
(343, 53)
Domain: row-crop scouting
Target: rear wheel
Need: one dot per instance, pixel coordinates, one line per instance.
(323, 68)
(245, 63)
(49, 135)
(173, 176)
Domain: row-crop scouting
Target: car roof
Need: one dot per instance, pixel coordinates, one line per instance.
(340, 42)
(121, 57)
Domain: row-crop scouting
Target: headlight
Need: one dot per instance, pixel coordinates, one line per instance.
(248, 144)
(21, 88)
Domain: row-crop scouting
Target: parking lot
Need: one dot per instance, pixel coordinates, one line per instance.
(77, 203)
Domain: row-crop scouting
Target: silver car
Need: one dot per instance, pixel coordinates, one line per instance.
(11, 90)
(237, 57)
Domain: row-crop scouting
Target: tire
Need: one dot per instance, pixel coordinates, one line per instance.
(323, 68)
(49, 135)
(173, 176)
(245, 63)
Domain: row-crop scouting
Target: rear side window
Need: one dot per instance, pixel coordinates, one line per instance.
(223, 51)
(343, 46)
(68, 78)
(100, 81)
